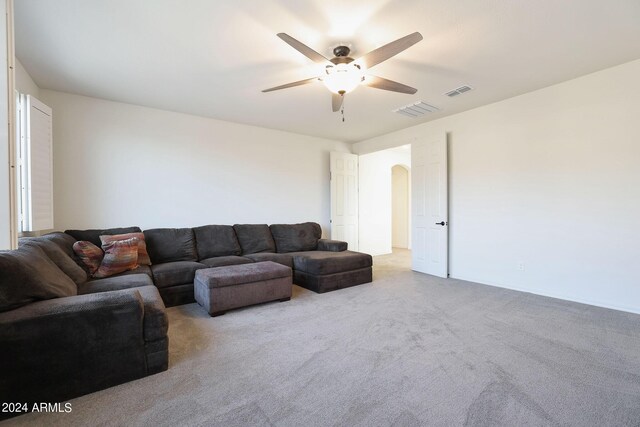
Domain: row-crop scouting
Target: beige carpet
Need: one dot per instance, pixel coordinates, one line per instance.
(408, 349)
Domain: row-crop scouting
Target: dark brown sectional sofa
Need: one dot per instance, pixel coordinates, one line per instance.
(177, 253)
(75, 335)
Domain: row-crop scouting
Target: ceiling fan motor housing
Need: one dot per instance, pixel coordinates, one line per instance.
(341, 51)
(341, 55)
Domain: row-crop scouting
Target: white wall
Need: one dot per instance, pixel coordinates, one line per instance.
(24, 82)
(375, 198)
(118, 164)
(400, 211)
(550, 179)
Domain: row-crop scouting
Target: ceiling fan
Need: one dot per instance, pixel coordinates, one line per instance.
(343, 74)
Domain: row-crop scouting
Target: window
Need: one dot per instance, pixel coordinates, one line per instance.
(35, 163)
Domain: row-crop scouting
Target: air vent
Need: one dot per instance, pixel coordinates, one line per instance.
(417, 109)
(458, 91)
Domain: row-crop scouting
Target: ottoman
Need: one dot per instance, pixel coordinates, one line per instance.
(220, 289)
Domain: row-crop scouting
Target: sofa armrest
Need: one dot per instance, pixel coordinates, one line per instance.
(61, 348)
(332, 245)
(61, 309)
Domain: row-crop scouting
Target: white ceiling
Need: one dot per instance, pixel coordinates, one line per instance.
(213, 58)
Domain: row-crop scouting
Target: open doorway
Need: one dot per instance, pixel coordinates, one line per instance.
(385, 204)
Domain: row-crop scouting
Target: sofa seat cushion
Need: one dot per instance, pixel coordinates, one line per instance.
(296, 237)
(93, 235)
(221, 261)
(27, 275)
(255, 238)
(155, 323)
(114, 283)
(284, 259)
(216, 241)
(324, 262)
(175, 273)
(142, 269)
(171, 244)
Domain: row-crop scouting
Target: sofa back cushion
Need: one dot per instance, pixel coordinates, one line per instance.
(296, 237)
(63, 240)
(93, 235)
(216, 240)
(27, 275)
(59, 257)
(254, 238)
(170, 244)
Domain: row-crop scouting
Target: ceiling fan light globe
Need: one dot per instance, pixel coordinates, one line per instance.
(343, 78)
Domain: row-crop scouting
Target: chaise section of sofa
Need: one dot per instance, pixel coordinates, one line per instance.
(324, 271)
(320, 265)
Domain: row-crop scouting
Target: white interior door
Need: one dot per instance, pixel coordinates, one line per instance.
(429, 184)
(344, 198)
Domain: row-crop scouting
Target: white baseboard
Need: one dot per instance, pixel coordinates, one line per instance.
(628, 309)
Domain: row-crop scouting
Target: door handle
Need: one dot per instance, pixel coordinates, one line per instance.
(441, 223)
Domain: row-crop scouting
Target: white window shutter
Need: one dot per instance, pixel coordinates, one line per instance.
(38, 159)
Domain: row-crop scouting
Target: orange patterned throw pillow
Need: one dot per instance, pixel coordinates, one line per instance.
(119, 256)
(143, 255)
(90, 255)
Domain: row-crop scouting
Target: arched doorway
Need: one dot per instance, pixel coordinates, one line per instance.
(400, 210)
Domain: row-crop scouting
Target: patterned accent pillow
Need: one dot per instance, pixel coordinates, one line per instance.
(143, 255)
(90, 255)
(119, 256)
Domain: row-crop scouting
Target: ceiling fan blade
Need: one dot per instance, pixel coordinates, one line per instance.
(388, 50)
(303, 49)
(336, 101)
(288, 85)
(385, 84)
